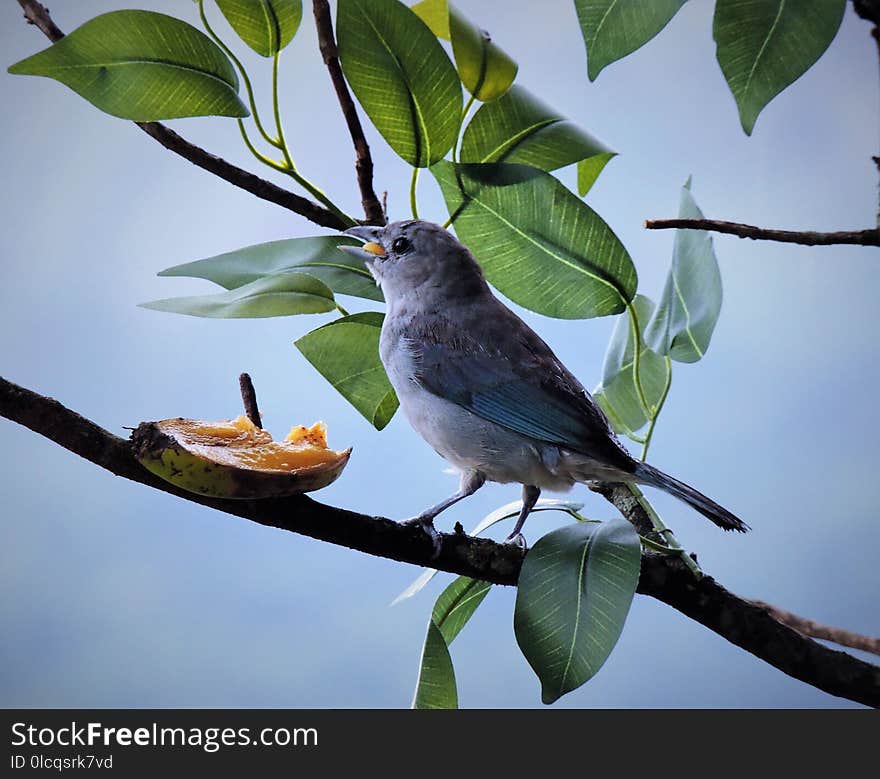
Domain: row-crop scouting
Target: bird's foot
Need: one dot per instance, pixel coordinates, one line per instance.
(426, 523)
(518, 539)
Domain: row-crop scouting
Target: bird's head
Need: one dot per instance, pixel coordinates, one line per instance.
(417, 259)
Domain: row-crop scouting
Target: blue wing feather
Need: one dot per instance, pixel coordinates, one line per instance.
(522, 387)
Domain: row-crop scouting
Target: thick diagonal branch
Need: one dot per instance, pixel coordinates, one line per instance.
(805, 237)
(810, 627)
(744, 623)
(375, 214)
(38, 15)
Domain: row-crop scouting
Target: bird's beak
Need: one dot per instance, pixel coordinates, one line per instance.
(364, 232)
(371, 248)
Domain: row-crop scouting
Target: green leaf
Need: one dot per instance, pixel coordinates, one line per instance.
(589, 170)
(346, 353)
(507, 511)
(520, 128)
(537, 242)
(267, 26)
(319, 257)
(765, 45)
(417, 585)
(457, 604)
(575, 589)
(401, 76)
(614, 28)
(435, 14)
(688, 309)
(486, 70)
(617, 393)
(435, 688)
(282, 294)
(143, 66)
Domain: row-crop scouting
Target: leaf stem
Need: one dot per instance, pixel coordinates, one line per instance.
(665, 533)
(274, 164)
(276, 110)
(341, 310)
(655, 547)
(456, 148)
(619, 424)
(244, 76)
(646, 443)
(413, 202)
(290, 167)
(287, 166)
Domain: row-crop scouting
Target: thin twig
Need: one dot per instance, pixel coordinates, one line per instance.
(743, 623)
(249, 399)
(38, 15)
(806, 237)
(364, 162)
(815, 629)
(265, 190)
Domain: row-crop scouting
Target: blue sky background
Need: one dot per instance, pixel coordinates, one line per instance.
(112, 594)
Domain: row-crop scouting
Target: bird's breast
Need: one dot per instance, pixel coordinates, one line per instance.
(399, 352)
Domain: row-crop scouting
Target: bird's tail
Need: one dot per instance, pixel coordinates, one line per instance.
(648, 474)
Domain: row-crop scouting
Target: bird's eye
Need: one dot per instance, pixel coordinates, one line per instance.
(400, 245)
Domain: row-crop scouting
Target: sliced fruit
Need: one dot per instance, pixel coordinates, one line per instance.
(236, 459)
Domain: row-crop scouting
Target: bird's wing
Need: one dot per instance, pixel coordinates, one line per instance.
(509, 376)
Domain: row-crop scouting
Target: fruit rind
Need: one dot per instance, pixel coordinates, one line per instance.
(171, 450)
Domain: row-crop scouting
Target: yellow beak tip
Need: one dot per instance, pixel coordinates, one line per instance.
(374, 248)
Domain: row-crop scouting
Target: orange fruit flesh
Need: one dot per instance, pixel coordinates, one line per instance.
(241, 444)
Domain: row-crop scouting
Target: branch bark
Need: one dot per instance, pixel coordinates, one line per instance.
(37, 15)
(249, 399)
(815, 629)
(373, 210)
(746, 624)
(806, 238)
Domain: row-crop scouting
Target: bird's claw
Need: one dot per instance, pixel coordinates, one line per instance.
(517, 539)
(426, 523)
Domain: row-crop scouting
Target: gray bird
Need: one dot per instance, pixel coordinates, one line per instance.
(482, 388)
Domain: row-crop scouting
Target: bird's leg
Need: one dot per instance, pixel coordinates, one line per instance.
(530, 495)
(471, 481)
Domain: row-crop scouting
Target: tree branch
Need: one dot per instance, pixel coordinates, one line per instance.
(38, 15)
(869, 10)
(364, 163)
(250, 182)
(817, 630)
(746, 624)
(807, 238)
(249, 399)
